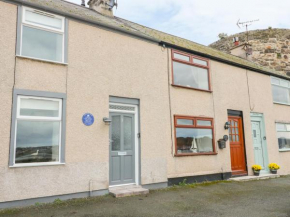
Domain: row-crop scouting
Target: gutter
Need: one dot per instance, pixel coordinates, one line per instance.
(76, 17)
(223, 60)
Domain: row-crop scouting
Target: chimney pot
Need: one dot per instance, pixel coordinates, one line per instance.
(102, 6)
(236, 41)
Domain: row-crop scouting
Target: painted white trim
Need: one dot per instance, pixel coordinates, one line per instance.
(136, 114)
(113, 186)
(37, 164)
(42, 60)
(280, 103)
(43, 28)
(284, 150)
(38, 118)
(18, 116)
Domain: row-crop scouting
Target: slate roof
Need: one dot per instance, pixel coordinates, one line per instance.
(79, 12)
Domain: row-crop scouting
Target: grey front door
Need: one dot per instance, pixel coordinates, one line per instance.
(122, 148)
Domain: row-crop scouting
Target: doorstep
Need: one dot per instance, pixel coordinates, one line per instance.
(128, 190)
(252, 178)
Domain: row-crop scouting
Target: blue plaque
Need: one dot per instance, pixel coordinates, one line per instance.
(88, 119)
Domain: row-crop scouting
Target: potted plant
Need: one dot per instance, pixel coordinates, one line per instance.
(256, 169)
(273, 168)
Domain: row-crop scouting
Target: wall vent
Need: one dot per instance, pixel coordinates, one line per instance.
(122, 107)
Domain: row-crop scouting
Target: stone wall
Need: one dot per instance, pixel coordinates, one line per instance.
(271, 47)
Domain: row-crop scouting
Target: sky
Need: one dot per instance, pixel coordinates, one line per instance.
(202, 21)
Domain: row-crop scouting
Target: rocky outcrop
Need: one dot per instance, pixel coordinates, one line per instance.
(271, 47)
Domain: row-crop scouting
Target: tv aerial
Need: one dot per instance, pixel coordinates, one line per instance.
(247, 46)
(246, 24)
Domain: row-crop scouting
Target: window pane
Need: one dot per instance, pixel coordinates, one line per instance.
(39, 107)
(200, 62)
(280, 94)
(42, 44)
(280, 127)
(37, 141)
(284, 83)
(275, 80)
(190, 76)
(203, 123)
(283, 140)
(184, 122)
(116, 133)
(191, 140)
(128, 134)
(181, 57)
(41, 19)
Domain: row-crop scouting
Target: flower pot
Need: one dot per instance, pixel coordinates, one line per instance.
(256, 172)
(274, 171)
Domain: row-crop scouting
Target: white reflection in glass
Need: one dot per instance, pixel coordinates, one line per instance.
(190, 76)
(37, 141)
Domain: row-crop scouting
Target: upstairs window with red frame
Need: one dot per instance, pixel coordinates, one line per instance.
(190, 71)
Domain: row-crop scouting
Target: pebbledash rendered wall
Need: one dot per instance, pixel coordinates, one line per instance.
(103, 63)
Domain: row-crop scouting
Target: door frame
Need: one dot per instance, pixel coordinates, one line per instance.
(136, 148)
(260, 118)
(235, 113)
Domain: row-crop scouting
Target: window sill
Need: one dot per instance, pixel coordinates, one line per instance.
(41, 60)
(280, 103)
(191, 88)
(286, 150)
(195, 154)
(36, 165)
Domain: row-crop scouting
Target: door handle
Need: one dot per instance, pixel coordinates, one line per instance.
(264, 137)
(110, 140)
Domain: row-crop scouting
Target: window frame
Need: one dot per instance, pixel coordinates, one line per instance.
(22, 22)
(191, 63)
(194, 126)
(20, 94)
(281, 150)
(279, 85)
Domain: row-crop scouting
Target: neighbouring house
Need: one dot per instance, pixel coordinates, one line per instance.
(91, 101)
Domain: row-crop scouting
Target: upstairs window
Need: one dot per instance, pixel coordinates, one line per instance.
(280, 90)
(193, 136)
(283, 134)
(190, 71)
(42, 35)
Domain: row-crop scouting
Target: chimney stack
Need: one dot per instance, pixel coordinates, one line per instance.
(104, 7)
(236, 41)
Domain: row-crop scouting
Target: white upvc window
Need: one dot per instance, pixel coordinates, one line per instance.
(38, 125)
(283, 134)
(280, 90)
(42, 35)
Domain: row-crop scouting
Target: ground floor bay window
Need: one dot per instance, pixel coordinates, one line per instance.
(37, 132)
(193, 136)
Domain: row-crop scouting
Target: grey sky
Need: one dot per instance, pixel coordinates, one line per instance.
(202, 21)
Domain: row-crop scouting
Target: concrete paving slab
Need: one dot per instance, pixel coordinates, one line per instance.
(252, 178)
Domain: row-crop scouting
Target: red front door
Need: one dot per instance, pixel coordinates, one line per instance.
(237, 146)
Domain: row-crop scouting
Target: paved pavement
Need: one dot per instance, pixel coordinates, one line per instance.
(264, 198)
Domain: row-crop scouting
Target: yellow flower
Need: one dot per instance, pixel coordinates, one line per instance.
(256, 167)
(274, 166)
